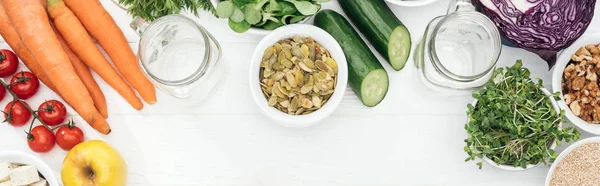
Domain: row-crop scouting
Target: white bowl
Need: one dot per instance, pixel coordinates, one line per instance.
(28, 159)
(411, 3)
(321, 37)
(552, 146)
(561, 63)
(256, 30)
(566, 152)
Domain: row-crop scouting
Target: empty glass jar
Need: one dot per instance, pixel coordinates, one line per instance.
(459, 50)
(180, 57)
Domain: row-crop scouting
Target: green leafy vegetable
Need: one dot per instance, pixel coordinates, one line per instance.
(239, 27)
(514, 122)
(305, 7)
(268, 14)
(151, 10)
(237, 16)
(225, 9)
(252, 15)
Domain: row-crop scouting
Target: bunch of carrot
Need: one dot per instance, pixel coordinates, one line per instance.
(52, 38)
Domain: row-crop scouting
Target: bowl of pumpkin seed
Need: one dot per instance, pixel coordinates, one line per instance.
(298, 75)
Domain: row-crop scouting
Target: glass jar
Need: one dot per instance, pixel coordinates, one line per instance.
(459, 50)
(180, 57)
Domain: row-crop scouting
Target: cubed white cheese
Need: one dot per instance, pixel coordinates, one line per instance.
(42, 182)
(6, 183)
(5, 171)
(24, 175)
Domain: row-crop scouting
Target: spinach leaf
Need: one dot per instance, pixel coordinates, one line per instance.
(239, 27)
(252, 15)
(225, 9)
(237, 16)
(305, 7)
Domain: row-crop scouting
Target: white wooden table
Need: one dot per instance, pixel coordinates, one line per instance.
(414, 137)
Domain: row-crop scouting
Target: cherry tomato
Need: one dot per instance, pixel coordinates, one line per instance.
(24, 84)
(8, 63)
(41, 139)
(19, 115)
(67, 137)
(52, 112)
(2, 92)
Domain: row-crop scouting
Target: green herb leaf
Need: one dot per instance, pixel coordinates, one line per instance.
(151, 10)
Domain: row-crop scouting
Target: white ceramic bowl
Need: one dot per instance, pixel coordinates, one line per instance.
(255, 30)
(510, 167)
(561, 63)
(411, 3)
(566, 152)
(28, 159)
(329, 43)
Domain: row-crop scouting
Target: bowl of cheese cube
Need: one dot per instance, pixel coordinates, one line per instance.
(23, 169)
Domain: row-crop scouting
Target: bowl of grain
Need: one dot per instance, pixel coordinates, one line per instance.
(298, 75)
(577, 164)
(576, 77)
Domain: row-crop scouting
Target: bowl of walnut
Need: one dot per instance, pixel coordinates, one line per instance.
(576, 77)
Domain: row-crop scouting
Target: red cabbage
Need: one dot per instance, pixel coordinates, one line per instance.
(543, 27)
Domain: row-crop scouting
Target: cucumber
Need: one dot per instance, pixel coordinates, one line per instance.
(382, 28)
(366, 76)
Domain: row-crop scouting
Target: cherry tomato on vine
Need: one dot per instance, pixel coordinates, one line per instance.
(41, 139)
(24, 84)
(68, 136)
(8, 63)
(19, 114)
(52, 112)
(2, 92)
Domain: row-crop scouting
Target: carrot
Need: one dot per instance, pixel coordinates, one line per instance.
(83, 45)
(102, 27)
(11, 37)
(86, 77)
(33, 26)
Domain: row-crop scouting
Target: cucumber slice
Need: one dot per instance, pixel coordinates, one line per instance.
(374, 87)
(399, 47)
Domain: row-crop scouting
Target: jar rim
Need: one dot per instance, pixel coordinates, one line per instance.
(490, 29)
(206, 61)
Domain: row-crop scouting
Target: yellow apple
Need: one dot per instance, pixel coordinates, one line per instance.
(94, 163)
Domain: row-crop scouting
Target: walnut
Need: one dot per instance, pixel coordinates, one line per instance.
(578, 83)
(594, 50)
(569, 70)
(586, 100)
(581, 69)
(576, 58)
(569, 98)
(575, 108)
(591, 76)
(583, 52)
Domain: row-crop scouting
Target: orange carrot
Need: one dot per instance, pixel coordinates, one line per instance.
(11, 37)
(83, 45)
(33, 26)
(102, 27)
(86, 77)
